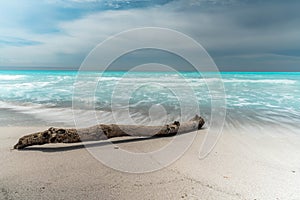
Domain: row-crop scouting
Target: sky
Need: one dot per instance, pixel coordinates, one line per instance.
(245, 35)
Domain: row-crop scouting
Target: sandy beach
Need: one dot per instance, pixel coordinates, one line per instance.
(240, 167)
(124, 69)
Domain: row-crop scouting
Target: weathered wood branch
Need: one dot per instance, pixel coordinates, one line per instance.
(103, 132)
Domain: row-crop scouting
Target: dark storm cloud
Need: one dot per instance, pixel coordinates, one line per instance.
(240, 35)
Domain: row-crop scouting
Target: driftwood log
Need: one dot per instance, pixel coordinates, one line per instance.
(103, 132)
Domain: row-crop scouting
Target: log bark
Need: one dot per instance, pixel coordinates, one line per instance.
(103, 132)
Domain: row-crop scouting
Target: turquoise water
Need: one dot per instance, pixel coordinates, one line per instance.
(45, 97)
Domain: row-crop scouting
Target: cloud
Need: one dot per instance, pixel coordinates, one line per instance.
(107, 4)
(260, 62)
(233, 32)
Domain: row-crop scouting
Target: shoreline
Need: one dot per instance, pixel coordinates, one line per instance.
(232, 171)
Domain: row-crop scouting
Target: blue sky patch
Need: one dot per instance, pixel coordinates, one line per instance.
(18, 42)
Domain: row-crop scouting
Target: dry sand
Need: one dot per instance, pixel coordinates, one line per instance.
(240, 167)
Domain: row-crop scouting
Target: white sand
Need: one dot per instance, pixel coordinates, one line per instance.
(240, 167)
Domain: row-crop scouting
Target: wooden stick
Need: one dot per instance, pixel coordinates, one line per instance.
(103, 132)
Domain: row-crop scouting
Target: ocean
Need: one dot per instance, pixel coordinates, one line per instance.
(49, 98)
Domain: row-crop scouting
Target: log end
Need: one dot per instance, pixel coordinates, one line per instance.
(18, 146)
(200, 121)
(21, 143)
